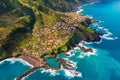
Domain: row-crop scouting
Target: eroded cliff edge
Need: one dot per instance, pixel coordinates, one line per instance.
(35, 28)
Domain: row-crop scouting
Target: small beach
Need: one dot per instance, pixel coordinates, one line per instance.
(87, 60)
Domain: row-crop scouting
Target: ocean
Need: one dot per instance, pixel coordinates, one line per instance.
(102, 64)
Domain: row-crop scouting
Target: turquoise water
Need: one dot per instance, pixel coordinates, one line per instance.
(109, 12)
(104, 64)
(52, 62)
(10, 70)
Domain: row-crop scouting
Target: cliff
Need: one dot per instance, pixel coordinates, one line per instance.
(66, 5)
(40, 27)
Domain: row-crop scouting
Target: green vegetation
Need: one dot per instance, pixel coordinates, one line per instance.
(39, 27)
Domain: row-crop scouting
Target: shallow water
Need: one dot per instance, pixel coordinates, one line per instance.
(52, 62)
(10, 69)
(103, 64)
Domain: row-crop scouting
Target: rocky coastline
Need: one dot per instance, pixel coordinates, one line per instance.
(67, 30)
(40, 62)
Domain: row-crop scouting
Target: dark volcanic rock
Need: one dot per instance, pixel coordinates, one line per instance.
(66, 64)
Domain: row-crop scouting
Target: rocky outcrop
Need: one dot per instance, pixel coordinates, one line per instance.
(67, 5)
(66, 64)
(84, 49)
(30, 29)
(38, 29)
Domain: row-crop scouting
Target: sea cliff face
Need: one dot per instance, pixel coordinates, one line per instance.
(67, 5)
(40, 27)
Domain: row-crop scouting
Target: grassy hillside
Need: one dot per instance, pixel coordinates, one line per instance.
(66, 5)
(37, 27)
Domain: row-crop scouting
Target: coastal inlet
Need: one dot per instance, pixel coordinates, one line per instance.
(55, 62)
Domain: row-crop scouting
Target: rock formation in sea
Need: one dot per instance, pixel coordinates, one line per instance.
(34, 29)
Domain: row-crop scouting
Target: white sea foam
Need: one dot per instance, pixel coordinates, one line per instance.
(90, 3)
(98, 41)
(68, 73)
(89, 53)
(73, 64)
(101, 21)
(102, 28)
(83, 54)
(52, 72)
(107, 35)
(89, 16)
(80, 10)
(80, 7)
(76, 48)
(13, 60)
(21, 79)
(109, 38)
(72, 73)
(84, 42)
(70, 53)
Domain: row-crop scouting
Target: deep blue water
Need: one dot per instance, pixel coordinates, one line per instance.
(109, 12)
(104, 64)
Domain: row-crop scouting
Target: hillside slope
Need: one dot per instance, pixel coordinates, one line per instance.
(66, 5)
(38, 27)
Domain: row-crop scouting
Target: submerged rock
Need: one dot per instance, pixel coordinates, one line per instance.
(66, 64)
(84, 49)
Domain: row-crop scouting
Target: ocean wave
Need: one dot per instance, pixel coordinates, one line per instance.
(89, 16)
(70, 53)
(107, 32)
(83, 54)
(90, 3)
(84, 42)
(13, 60)
(108, 35)
(72, 73)
(50, 71)
(72, 63)
(67, 73)
(102, 28)
(89, 53)
(110, 38)
(99, 41)
(80, 10)
(80, 7)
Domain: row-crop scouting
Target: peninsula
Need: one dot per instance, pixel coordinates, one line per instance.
(35, 30)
